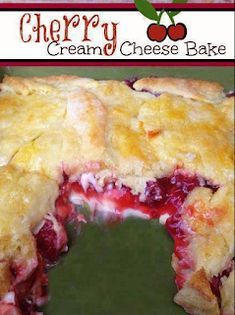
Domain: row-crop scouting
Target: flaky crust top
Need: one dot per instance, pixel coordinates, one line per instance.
(77, 124)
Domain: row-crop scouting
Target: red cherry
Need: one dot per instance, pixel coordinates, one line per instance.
(156, 32)
(176, 32)
(51, 239)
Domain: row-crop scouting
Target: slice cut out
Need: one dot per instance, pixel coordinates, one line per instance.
(115, 270)
(111, 203)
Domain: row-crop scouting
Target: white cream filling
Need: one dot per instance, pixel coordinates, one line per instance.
(87, 179)
(163, 218)
(9, 298)
(129, 212)
(106, 207)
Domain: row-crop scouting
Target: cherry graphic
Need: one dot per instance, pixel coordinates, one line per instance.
(157, 32)
(177, 31)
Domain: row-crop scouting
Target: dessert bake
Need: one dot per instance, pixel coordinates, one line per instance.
(154, 148)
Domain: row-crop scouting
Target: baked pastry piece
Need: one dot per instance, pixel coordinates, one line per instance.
(151, 148)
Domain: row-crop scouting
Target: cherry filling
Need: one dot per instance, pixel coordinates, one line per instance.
(51, 240)
(33, 292)
(230, 94)
(153, 93)
(131, 82)
(162, 197)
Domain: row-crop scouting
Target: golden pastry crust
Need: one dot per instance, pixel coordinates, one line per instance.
(206, 212)
(25, 198)
(56, 124)
(227, 295)
(131, 133)
(195, 89)
(210, 218)
(20, 196)
(196, 296)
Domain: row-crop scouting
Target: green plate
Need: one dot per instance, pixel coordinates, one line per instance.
(122, 270)
(126, 269)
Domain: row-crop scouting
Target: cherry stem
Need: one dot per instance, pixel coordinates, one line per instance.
(160, 16)
(170, 17)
